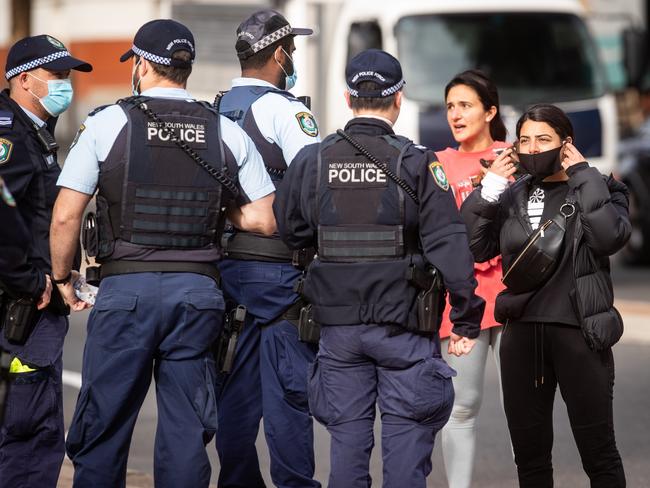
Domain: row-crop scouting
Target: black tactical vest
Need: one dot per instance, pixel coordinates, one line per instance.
(367, 236)
(360, 209)
(157, 203)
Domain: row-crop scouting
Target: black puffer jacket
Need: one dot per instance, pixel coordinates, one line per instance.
(603, 227)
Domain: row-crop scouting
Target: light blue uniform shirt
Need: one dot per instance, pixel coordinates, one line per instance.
(99, 132)
(281, 120)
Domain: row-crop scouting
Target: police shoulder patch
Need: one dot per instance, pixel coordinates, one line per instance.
(439, 175)
(6, 147)
(82, 128)
(307, 123)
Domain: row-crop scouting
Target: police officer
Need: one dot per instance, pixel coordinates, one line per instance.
(160, 213)
(16, 274)
(38, 72)
(378, 227)
(268, 377)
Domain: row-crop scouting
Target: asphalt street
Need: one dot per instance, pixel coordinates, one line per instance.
(494, 465)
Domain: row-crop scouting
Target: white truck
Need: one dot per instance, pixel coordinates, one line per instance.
(534, 51)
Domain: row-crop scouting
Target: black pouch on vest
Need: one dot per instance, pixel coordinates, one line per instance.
(20, 317)
(537, 260)
(106, 239)
(89, 235)
(308, 329)
(430, 301)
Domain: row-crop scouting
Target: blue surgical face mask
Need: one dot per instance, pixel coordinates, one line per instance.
(59, 95)
(289, 81)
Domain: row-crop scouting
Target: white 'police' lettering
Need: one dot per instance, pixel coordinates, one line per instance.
(187, 132)
(354, 172)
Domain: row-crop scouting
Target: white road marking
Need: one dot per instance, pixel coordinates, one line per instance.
(72, 378)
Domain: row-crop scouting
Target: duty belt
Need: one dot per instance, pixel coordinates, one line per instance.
(120, 267)
(250, 247)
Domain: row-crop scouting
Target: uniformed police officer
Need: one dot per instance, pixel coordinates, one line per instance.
(16, 274)
(269, 375)
(377, 227)
(38, 71)
(160, 213)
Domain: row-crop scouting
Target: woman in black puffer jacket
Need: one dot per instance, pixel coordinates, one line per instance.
(542, 343)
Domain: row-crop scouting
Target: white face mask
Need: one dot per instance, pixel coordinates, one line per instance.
(135, 87)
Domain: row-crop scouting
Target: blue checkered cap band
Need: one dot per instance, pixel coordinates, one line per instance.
(395, 88)
(35, 63)
(384, 93)
(271, 38)
(154, 58)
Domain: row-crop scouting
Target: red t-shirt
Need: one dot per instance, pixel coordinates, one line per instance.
(461, 168)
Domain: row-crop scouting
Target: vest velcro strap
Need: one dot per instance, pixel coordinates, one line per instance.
(250, 247)
(180, 242)
(355, 243)
(202, 196)
(120, 267)
(169, 226)
(176, 211)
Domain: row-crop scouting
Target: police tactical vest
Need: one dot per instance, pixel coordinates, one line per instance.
(157, 198)
(236, 105)
(360, 210)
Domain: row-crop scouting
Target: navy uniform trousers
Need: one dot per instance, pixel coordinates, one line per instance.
(33, 426)
(145, 324)
(269, 379)
(360, 365)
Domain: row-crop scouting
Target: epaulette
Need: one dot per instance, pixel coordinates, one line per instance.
(98, 109)
(398, 142)
(6, 118)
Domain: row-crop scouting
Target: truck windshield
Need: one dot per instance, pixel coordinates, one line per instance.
(532, 57)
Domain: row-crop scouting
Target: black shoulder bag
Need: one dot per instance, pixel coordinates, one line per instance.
(540, 255)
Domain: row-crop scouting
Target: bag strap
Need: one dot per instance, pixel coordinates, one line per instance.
(382, 166)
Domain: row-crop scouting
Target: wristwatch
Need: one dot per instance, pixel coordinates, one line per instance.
(62, 280)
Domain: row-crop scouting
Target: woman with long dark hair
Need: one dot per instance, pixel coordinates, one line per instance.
(560, 319)
(473, 116)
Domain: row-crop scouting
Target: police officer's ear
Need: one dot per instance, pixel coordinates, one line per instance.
(346, 94)
(398, 100)
(25, 82)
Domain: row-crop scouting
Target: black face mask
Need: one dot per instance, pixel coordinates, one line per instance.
(542, 164)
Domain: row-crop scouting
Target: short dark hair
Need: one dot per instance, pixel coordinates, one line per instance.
(487, 94)
(171, 73)
(260, 58)
(371, 103)
(552, 115)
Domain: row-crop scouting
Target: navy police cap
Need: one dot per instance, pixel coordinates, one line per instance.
(158, 40)
(374, 65)
(262, 29)
(41, 52)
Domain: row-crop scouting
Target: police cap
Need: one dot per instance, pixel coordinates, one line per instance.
(262, 29)
(158, 40)
(374, 65)
(41, 52)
